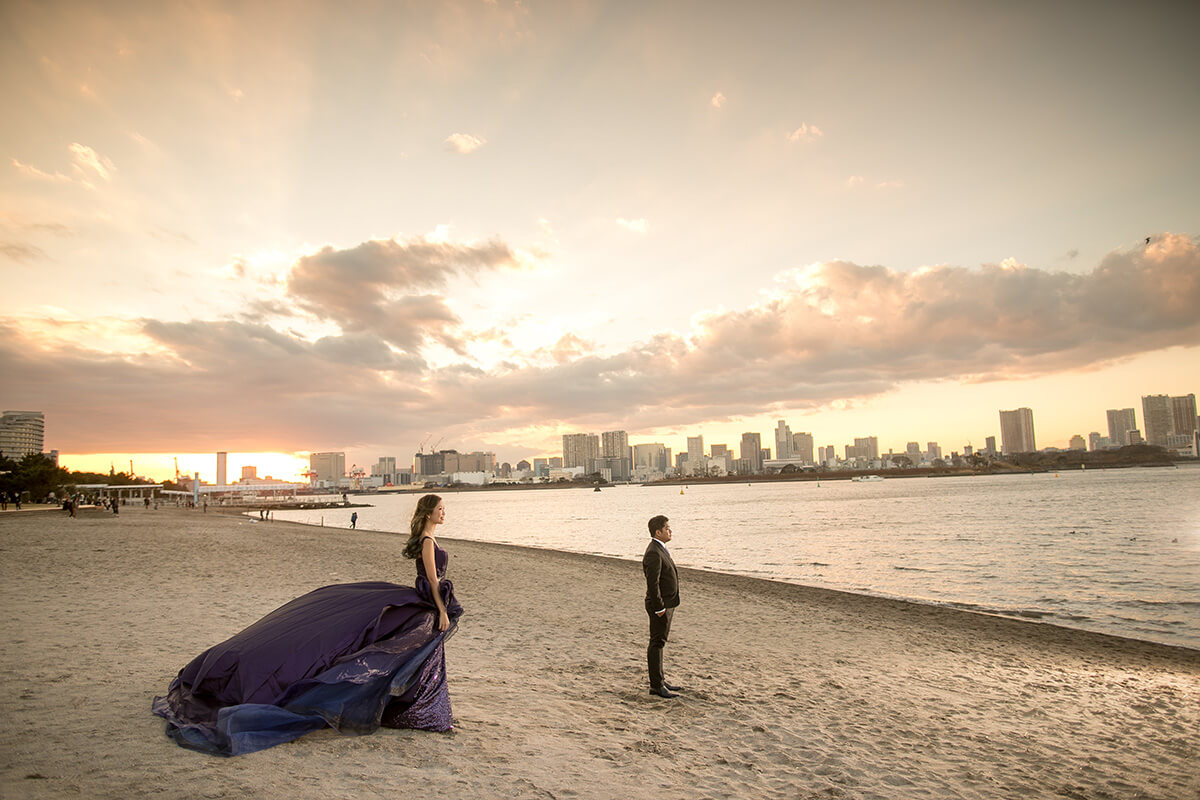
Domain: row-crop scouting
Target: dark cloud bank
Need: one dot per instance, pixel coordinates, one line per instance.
(838, 331)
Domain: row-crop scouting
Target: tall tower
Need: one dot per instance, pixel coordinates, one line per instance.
(1158, 417)
(222, 459)
(1016, 431)
(802, 446)
(1120, 422)
(695, 455)
(1183, 414)
(752, 451)
(580, 450)
(783, 440)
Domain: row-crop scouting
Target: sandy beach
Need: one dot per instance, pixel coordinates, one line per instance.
(792, 692)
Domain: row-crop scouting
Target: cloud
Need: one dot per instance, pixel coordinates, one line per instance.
(20, 251)
(635, 225)
(805, 133)
(378, 286)
(854, 180)
(86, 159)
(835, 332)
(718, 100)
(464, 143)
(31, 171)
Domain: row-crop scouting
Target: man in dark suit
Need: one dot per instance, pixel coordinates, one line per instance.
(662, 597)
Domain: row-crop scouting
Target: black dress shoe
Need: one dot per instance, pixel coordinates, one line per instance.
(672, 687)
(663, 691)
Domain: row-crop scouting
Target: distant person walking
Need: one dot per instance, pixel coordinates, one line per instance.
(662, 598)
(353, 520)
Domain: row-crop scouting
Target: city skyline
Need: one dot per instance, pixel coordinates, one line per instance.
(578, 447)
(492, 223)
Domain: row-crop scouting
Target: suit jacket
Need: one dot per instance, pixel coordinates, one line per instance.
(662, 578)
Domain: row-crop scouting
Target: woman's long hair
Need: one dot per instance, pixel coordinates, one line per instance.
(425, 507)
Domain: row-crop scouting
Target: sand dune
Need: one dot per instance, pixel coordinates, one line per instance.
(791, 691)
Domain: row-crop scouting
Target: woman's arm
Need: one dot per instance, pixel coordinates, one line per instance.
(429, 561)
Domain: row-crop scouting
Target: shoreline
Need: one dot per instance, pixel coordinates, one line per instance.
(949, 606)
(791, 690)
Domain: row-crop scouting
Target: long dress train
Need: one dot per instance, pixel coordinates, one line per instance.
(350, 656)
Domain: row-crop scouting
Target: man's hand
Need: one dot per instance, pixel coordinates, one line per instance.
(660, 613)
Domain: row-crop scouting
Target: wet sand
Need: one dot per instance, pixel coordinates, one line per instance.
(792, 692)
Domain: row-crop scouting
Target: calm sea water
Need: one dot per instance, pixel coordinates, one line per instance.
(1115, 551)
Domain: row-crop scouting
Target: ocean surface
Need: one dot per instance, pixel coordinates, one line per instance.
(1114, 551)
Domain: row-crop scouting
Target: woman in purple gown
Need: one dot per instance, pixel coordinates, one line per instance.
(351, 656)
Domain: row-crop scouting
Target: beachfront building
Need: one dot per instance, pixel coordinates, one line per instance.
(751, 452)
(802, 446)
(1120, 422)
(1183, 415)
(783, 440)
(696, 461)
(1016, 431)
(328, 468)
(385, 468)
(580, 450)
(654, 457)
(616, 455)
(476, 461)
(1157, 417)
(22, 433)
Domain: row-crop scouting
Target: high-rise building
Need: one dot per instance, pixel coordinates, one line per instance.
(934, 450)
(1158, 417)
(653, 456)
(802, 446)
(1120, 422)
(1077, 443)
(430, 463)
(695, 455)
(1016, 431)
(783, 440)
(327, 466)
(913, 451)
(385, 468)
(867, 447)
(22, 433)
(468, 462)
(617, 454)
(1183, 415)
(614, 444)
(580, 450)
(554, 462)
(751, 452)
(249, 473)
(222, 464)
(1094, 439)
(722, 455)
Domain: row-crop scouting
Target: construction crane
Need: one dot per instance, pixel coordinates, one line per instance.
(177, 469)
(421, 446)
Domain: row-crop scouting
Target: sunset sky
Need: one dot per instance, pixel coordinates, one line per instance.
(281, 228)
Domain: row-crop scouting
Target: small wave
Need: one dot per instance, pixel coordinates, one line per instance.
(910, 569)
(1030, 613)
(1160, 603)
(814, 564)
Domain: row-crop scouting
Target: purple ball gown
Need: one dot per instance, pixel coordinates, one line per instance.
(351, 656)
